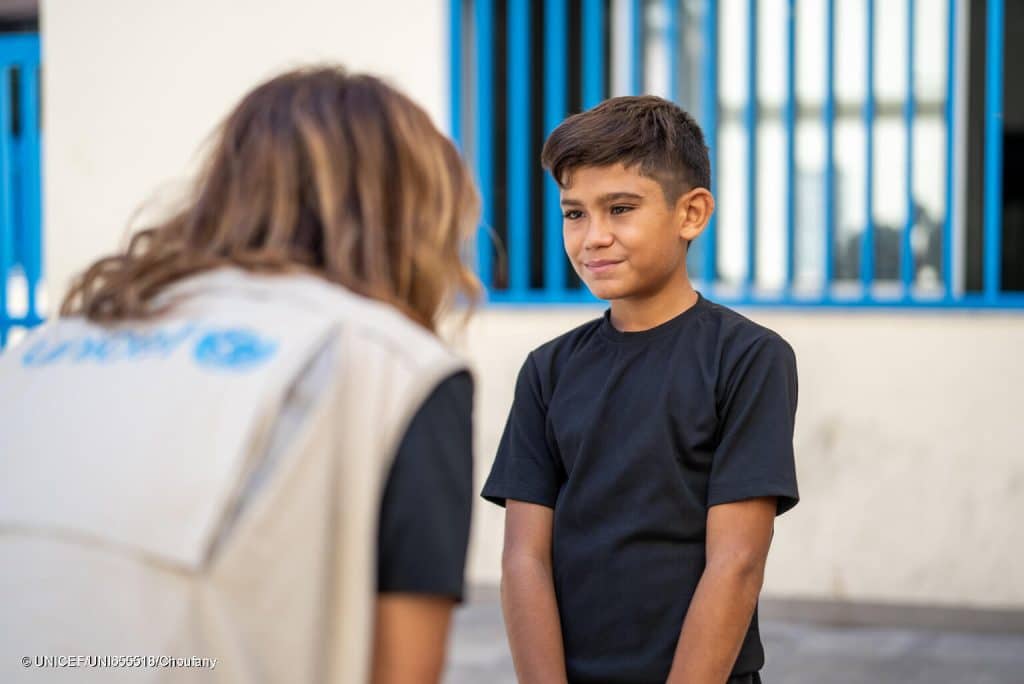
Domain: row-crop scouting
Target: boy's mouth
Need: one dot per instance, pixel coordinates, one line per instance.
(601, 265)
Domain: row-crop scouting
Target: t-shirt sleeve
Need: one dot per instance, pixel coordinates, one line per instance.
(525, 468)
(425, 510)
(754, 457)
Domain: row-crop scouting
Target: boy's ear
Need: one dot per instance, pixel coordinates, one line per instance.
(693, 212)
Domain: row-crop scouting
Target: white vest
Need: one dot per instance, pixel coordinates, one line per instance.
(204, 485)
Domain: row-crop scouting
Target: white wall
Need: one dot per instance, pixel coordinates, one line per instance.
(133, 87)
(910, 452)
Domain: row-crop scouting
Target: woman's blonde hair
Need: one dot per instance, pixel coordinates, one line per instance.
(316, 170)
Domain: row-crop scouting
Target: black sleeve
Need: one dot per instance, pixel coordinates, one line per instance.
(525, 469)
(425, 512)
(755, 450)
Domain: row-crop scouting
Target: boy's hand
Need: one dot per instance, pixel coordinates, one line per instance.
(738, 537)
(528, 595)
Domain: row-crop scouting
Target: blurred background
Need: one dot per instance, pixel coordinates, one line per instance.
(868, 160)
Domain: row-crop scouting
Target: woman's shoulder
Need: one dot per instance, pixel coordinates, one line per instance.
(378, 323)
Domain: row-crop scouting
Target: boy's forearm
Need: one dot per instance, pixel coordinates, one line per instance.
(716, 623)
(532, 622)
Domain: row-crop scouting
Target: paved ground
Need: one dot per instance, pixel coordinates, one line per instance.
(797, 653)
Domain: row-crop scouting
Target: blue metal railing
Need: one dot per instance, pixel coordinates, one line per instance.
(867, 252)
(21, 253)
(709, 122)
(484, 108)
(907, 253)
(519, 137)
(555, 109)
(951, 205)
(993, 148)
(790, 124)
(551, 98)
(829, 112)
(750, 118)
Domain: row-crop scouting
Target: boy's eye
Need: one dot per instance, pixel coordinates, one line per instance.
(621, 209)
(573, 214)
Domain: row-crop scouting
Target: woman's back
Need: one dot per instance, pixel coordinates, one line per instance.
(212, 475)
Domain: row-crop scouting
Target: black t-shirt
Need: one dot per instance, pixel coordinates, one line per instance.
(630, 437)
(425, 510)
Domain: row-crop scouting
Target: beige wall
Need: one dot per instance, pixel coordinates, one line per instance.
(132, 87)
(910, 452)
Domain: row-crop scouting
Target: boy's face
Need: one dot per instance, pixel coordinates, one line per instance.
(621, 235)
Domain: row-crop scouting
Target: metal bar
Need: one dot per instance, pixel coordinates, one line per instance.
(593, 52)
(947, 225)
(31, 184)
(542, 297)
(519, 137)
(1008, 301)
(750, 123)
(709, 114)
(962, 105)
(555, 32)
(483, 140)
(907, 252)
(844, 110)
(636, 47)
(829, 120)
(672, 47)
(26, 321)
(455, 68)
(21, 47)
(993, 195)
(867, 252)
(6, 206)
(790, 122)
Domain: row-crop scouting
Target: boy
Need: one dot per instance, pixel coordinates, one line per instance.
(646, 453)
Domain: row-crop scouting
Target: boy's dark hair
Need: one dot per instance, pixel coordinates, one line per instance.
(644, 131)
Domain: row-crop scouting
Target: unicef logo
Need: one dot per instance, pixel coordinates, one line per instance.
(234, 349)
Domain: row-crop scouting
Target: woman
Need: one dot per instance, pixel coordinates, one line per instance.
(242, 440)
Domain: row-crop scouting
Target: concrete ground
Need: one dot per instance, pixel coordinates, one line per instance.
(796, 653)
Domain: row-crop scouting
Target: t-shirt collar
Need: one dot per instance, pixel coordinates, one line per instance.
(610, 332)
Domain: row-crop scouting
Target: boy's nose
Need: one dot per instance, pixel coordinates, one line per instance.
(597, 236)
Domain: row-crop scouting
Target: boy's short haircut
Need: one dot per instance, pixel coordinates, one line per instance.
(647, 132)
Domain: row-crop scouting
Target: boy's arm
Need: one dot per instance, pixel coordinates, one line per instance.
(738, 537)
(528, 595)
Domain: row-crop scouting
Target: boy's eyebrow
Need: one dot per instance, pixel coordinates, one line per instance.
(616, 196)
(604, 199)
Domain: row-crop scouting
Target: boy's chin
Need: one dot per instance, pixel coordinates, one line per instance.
(607, 290)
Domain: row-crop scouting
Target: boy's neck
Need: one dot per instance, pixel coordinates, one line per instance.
(643, 313)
